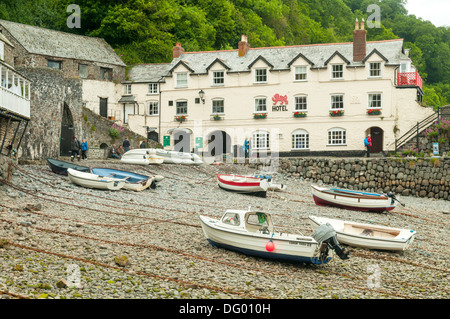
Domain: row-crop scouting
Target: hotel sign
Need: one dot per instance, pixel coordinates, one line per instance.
(283, 102)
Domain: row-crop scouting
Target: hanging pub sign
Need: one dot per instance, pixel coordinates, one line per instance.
(283, 102)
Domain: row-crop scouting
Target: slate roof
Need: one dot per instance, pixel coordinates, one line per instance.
(148, 72)
(276, 58)
(37, 40)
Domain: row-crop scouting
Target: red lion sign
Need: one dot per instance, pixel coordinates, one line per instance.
(280, 98)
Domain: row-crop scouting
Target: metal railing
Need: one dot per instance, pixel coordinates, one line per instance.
(415, 131)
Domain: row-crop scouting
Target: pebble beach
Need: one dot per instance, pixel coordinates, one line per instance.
(62, 241)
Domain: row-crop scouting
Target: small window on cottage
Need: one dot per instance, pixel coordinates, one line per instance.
(54, 64)
(301, 73)
(375, 69)
(260, 104)
(181, 107)
(106, 74)
(301, 103)
(182, 80)
(375, 100)
(337, 102)
(153, 88)
(300, 140)
(337, 71)
(260, 140)
(127, 89)
(337, 136)
(218, 106)
(153, 108)
(218, 77)
(260, 75)
(83, 71)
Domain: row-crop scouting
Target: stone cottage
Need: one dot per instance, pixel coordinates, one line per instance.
(68, 72)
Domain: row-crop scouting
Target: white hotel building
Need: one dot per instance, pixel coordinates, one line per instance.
(300, 100)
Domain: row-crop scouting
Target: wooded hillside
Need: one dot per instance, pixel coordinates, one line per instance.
(144, 31)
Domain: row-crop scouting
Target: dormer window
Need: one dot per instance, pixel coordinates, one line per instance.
(260, 75)
(218, 78)
(301, 73)
(182, 80)
(337, 71)
(375, 69)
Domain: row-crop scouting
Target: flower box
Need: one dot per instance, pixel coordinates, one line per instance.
(299, 114)
(216, 117)
(181, 118)
(336, 113)
(260, 115)
(373, 112)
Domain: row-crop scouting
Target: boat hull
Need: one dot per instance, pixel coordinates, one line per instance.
(90, 180)
(287, 249)
(352, 200)
(243, 184)
(60, 167)
(134, 182)
(388, 238)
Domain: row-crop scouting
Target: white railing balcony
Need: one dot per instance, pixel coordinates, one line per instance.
(14, 92)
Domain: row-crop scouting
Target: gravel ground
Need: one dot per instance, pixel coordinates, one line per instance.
(62, 241)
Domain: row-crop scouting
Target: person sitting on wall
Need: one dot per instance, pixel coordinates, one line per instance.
(114, 152)
(143, 145)
(120, 151)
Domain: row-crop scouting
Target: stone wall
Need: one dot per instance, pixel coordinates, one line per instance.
(50, 90)
(96, 132)
(427, 177)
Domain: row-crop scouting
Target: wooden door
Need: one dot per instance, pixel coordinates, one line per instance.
(376, 135)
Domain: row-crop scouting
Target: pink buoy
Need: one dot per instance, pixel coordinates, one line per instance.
(270, 246)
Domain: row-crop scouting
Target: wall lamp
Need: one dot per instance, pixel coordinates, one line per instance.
(202, 95)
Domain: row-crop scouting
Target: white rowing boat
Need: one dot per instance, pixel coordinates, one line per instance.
(141, 156)
(90, 180)
(367, 235)
(252, 233)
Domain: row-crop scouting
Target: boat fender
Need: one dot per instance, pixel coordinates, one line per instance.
(270, 246)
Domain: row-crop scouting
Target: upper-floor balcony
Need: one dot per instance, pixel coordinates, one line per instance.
(409, 79)
(14, 92)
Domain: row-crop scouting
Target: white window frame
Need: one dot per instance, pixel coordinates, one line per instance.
(304, 73)
(260, 140)
(214, 111)
(370, 100)
(258, 76)
(335, 72)
(177, 107)
(181, 83)
(298, 103)
(127, 89)
(219, 78)
(260, 102)
(2, 50)
(152, 106)
(333, 103)
(153, 88)
(300, 136)
(337, 136)
(372, 69)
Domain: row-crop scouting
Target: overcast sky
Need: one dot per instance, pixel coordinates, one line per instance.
(436, 11)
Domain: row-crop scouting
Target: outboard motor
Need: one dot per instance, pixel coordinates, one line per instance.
(326, 234)
(393, 198)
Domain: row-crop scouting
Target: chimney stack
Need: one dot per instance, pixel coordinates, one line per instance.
(177, 50)
(243, 45)
(359, 42)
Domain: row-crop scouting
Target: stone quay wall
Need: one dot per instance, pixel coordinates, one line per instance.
(421, 177)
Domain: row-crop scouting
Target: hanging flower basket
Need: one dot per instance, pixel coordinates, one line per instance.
(374, 112)
(260, 115)
(299, 114)
(336, 113)
(181, 118)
